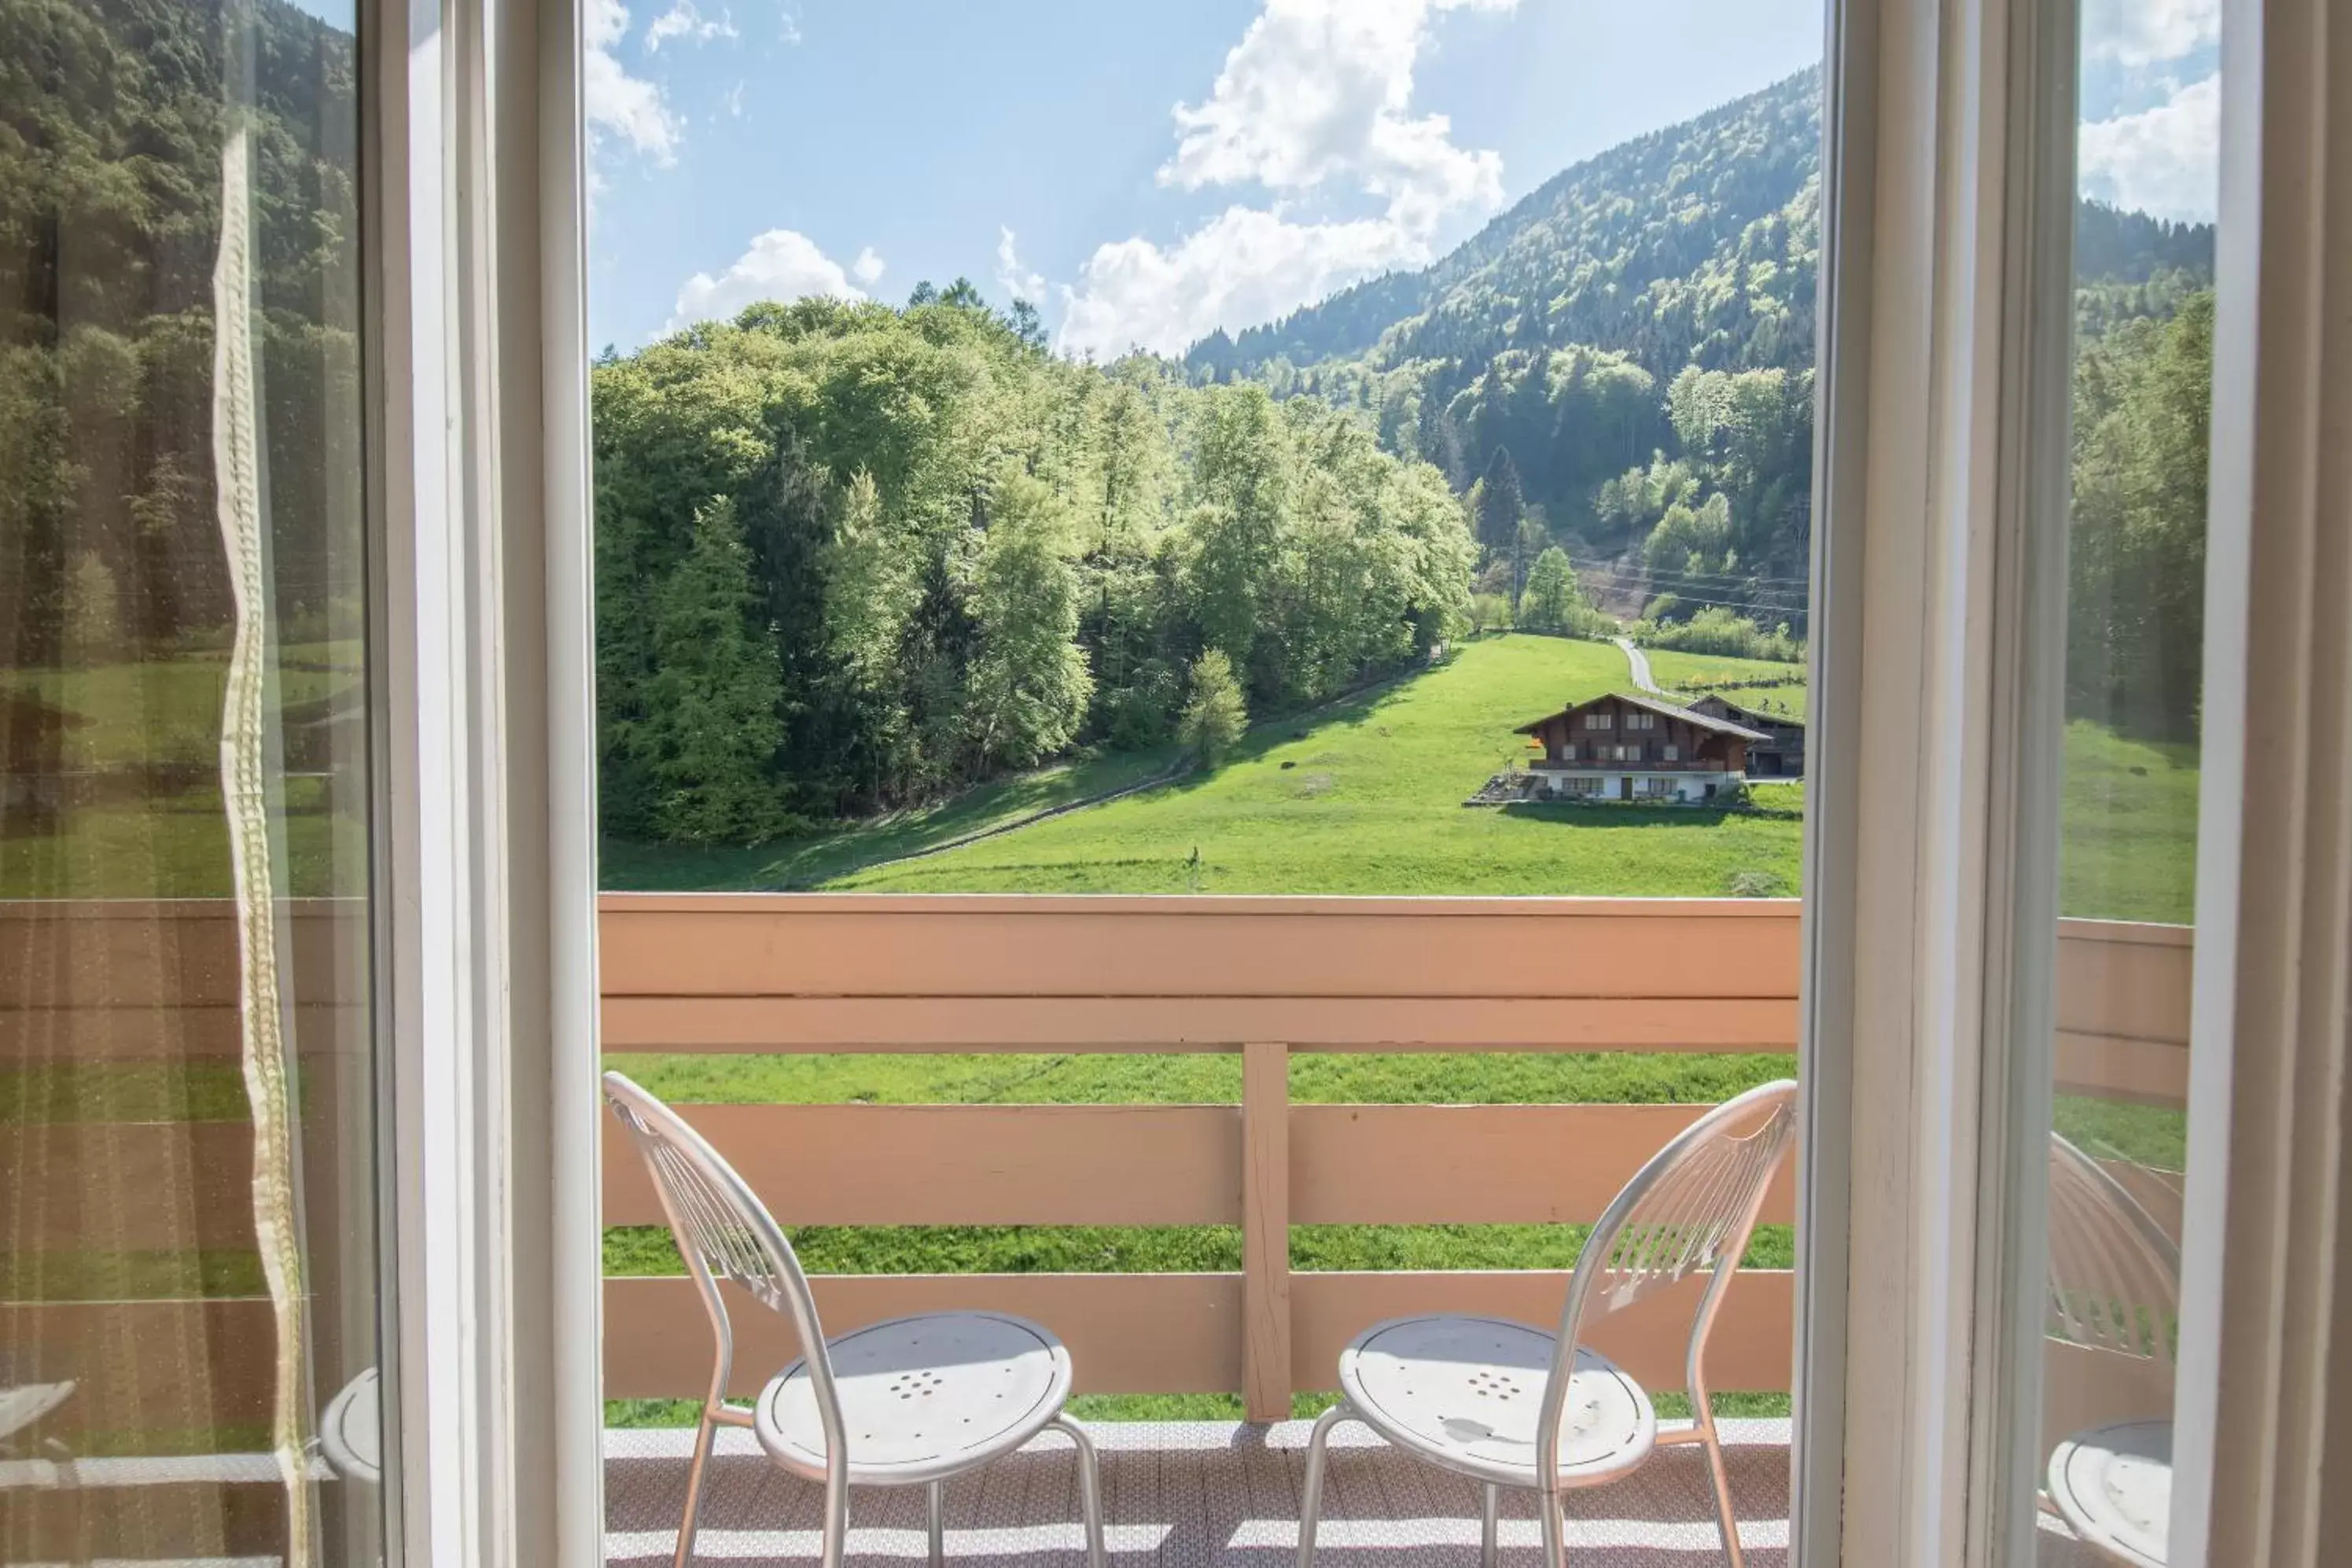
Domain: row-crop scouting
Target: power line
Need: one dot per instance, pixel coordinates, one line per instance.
(1719, 576)
(1747, 606)
(1676, 582)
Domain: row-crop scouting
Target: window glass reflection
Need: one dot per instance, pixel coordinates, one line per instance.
(188, 1291)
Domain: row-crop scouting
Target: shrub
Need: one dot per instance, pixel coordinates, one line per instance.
(1723, 633)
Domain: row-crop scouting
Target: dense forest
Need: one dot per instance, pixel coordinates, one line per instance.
(850, 557)
(114, 115)
(854, 557)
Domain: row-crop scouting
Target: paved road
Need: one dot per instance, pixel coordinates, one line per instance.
(1640, 662)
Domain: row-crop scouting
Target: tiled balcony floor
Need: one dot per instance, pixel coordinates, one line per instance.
(1210, 1495)
(1197, 1495)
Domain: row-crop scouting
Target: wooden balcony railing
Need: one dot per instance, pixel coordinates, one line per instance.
(1259, 978)
(1262, 978)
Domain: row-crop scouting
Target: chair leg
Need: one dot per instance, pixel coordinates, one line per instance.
(1090, 1505)
(703, 1433)
(1555, 1529)
(935, 1502)
(1718, 1473)
(833, 1546)
(1310, 1503)
(1489, 1525)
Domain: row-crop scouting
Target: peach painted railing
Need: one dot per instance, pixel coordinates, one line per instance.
(1259, 978)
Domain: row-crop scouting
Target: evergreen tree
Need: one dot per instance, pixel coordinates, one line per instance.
(1502, 502)
(1502, 517)
(710, 733)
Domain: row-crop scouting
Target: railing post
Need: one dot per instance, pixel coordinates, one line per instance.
(1266, 1232)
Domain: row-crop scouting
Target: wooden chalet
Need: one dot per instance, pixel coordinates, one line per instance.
(1626, 746)
(1781, 753)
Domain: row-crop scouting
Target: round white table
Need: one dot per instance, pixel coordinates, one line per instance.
(2113, 1486)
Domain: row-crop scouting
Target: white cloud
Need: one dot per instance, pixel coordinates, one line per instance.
(1243, 267)
(868, 267)
(2164, 161)
(616, 102)
(1317, 94)
(731, 100)
(684, 20)
(781, 264)
(1321, 89)
(1017, 282)
(2148, 32)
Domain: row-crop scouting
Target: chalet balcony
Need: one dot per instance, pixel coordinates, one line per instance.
(1647, 766)
(1263, 980)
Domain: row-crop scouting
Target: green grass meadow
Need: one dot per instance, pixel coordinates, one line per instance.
(1366, 797)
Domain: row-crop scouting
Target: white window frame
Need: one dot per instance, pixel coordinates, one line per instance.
(1600, 720)
(1927, 334)
(1927, 1024)
(478, 467)
(2263, 1459)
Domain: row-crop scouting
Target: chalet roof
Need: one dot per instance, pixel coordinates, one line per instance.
(1656, 705)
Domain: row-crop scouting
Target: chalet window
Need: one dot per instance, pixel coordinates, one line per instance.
(1640, 721)
(1599, 720)
(1670, 754)
(1568, 752)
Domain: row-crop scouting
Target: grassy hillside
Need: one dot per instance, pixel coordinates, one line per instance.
(800, 863)
(1366, 798)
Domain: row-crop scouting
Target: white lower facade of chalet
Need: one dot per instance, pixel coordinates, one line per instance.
(1679, 786)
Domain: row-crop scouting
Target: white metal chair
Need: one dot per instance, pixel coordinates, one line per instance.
(2114, 1287)
(913, 1401)
(1507, 1405)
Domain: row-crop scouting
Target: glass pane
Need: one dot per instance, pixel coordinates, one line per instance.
(188, 1237)
(1284, 448)
(2110, 1184)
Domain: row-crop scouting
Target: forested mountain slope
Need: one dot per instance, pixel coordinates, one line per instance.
(1622, 363)
(1691, 245)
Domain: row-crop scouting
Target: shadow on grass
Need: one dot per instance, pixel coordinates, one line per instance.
(1352, 711)
(814, 860)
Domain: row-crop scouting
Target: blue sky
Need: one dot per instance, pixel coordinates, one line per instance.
(1146, 171)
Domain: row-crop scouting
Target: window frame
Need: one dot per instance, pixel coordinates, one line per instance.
(472, 134)
(477, 210)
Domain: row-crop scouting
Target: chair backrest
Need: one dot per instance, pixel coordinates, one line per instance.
(2115, 1274)
(725, 1232)
(1689, 1209)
